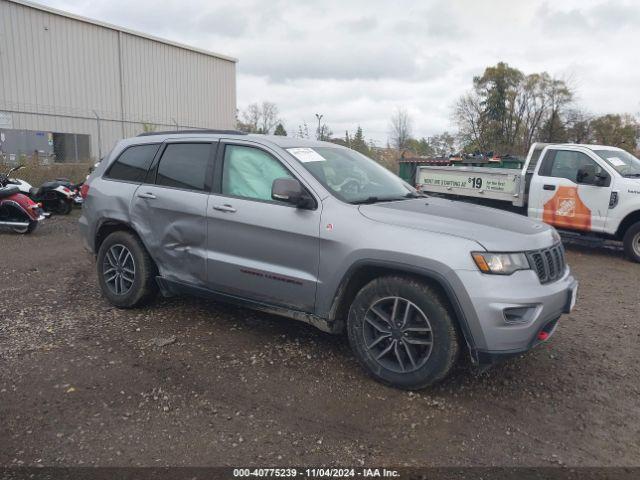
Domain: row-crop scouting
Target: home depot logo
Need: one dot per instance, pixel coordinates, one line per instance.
(566, 207)
(567, 210)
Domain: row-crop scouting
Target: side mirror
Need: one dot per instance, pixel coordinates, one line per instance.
(290, 190)
(587, 175)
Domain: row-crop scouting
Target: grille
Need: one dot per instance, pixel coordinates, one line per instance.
(548, 263)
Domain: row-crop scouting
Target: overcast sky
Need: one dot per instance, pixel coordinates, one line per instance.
(355, 61)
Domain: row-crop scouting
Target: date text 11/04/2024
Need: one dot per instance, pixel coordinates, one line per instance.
(316, 472)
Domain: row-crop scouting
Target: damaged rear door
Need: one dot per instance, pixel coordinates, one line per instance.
(169, 209)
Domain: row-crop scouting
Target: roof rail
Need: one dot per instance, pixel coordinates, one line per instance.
(203, 131)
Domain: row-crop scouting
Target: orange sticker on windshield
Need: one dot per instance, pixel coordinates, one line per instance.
(566, 209)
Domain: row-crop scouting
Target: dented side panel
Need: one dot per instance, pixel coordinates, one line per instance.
(172, 223)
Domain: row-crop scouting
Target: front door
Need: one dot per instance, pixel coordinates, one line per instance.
(169, 210)
(560, 198)
(258, 248)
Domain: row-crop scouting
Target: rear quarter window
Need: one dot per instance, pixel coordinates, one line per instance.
(133, 163)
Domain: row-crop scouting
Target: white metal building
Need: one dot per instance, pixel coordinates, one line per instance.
(70, 87)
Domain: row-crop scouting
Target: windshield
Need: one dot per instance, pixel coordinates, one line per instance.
(351, 176)
(625, 164)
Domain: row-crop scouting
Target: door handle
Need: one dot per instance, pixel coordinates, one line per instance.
(224, 208)
(147, 195)
(548, 187)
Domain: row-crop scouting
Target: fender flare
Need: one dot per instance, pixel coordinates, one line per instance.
(19, 207)
(115, 221)
(448, 289)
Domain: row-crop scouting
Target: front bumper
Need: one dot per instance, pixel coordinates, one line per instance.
(512, 311)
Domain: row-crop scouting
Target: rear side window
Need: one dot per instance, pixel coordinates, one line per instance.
(133, 163)
(184, 165)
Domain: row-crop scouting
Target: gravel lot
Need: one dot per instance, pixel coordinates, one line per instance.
(192, 382)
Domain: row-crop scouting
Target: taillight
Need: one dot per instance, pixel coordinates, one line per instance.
(66, 190)
(84, 190)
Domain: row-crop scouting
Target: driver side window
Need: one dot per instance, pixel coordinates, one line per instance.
(249, 172)
(565, 164)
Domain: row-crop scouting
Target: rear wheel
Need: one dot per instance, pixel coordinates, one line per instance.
(64, 206)
(402, 332)
(126, 272)
(632, 242)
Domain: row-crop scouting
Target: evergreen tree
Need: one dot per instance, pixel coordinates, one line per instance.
(280, 130)
(359, 144)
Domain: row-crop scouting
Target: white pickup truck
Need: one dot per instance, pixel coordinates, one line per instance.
(589, 189)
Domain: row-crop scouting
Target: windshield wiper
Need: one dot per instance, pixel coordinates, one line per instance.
(369, 200)
(415, 195)
(374, 199)
(631, 175)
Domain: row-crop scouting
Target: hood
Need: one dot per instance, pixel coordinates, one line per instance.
(493, 229)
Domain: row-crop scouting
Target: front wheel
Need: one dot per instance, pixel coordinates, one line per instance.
(402, 333)
(126, 272)
(632, 242)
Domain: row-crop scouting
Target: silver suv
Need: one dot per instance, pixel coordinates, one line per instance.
(320, 233)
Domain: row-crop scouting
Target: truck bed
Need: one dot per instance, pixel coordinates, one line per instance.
(500, 184)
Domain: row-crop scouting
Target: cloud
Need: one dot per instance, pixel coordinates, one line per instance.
(361, 61)
(363, 24)
(223, 21)
(355, 61)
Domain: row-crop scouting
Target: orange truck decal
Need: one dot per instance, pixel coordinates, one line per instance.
(566, 209)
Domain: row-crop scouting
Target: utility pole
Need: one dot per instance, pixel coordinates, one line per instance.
(319, 117)
(99, 135)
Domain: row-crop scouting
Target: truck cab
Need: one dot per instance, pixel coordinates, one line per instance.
(588, 188)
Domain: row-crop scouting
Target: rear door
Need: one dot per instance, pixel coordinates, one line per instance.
(559, 198)
(169, 209)
(258, 248)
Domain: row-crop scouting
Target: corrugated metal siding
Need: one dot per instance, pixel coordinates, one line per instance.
(54, 65)
(165, 82)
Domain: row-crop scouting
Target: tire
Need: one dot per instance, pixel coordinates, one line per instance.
(419, 364)
(136, 285)
(632, 242)
(33, 224)
(64, 207)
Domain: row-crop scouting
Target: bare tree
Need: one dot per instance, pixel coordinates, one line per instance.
(259, 118)
(401, 128)
(579, 129)
(468, 115)
(535, 106)
(251, 117)
(269, 117)
(506, 111)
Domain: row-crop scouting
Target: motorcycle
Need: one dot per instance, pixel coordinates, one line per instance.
(17, 211)
(75, 189)
(54, 196)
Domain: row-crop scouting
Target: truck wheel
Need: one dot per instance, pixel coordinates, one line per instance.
(402, 333)
(126, 272)
(632, 242)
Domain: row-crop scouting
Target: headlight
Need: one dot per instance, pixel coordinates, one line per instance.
(500, 263)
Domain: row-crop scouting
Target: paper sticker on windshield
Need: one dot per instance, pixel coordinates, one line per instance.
(616, 162)
(306, 155)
